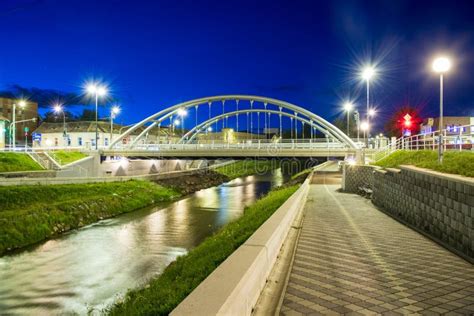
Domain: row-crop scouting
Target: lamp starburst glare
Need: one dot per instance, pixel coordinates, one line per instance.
(441, 64)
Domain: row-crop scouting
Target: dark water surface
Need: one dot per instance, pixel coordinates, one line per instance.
(87, 269)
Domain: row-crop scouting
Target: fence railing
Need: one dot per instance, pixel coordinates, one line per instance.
(458, 138)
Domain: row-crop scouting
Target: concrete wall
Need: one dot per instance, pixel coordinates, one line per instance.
(235, 286)
(438, 205)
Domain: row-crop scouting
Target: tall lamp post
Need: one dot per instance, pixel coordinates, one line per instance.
(21, 104)
(367, 74)
(441, 65)
(348, 106)
(96, 91)
(59, 109)
(114, 111)
(182, 113)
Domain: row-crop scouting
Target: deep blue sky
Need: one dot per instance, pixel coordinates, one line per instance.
(156, 53)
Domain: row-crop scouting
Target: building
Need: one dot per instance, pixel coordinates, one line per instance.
(459, 129)
(25, 113)
(82, 134)
(227, 135)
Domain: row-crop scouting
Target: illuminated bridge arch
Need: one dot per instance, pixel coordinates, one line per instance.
(202, 127)
(256, 104)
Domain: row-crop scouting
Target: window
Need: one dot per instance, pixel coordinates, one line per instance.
(56, 142)
(106, 141)
(79, 141)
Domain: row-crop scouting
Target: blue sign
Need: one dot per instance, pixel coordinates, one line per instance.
(36, 137)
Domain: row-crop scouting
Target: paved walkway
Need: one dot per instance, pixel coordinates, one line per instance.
(352, 259)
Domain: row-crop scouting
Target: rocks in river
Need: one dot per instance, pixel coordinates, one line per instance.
(197, 181)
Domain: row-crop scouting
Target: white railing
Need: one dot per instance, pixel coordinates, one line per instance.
(254, 145)
(459, 138)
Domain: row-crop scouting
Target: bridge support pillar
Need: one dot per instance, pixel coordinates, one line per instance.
(360, 157)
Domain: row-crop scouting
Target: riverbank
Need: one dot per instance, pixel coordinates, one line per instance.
(248, 167)
(33, 213)
(29, 214)
(162, 294)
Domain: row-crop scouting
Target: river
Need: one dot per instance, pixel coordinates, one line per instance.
(87, 269)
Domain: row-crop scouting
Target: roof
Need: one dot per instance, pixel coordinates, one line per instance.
(3, 118)
(88, 127)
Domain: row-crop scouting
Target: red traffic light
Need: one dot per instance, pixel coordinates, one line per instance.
(407, 123)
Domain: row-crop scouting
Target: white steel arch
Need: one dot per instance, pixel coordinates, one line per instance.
(202, 126)
(162, 115)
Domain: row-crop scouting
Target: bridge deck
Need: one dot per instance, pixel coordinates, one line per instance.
(353, 259)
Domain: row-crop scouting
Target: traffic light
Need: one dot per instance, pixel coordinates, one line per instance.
(407, 121)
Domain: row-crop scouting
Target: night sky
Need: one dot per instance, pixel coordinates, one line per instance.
(154, 54)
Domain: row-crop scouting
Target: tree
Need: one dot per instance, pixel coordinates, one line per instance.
(341, 123)
(87, 115)
(53, 117)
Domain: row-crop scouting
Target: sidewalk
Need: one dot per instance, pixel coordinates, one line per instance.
(353, 259)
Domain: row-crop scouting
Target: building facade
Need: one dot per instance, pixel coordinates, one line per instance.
(459, 129)
(82, 134)
(28, 112)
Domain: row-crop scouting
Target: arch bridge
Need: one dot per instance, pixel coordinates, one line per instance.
(233, 126)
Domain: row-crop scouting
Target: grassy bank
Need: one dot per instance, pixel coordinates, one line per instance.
(65, 157)
(29, 214)
(10, 162)
(454, 162)
(244, 168)
(181, 277)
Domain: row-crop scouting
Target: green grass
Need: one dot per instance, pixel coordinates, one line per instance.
(454, 162)
(244, 168)
(29, 214)
(181, 277)
(10, 162)
(64, 157)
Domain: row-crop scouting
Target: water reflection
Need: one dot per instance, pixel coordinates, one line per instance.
(86, 269)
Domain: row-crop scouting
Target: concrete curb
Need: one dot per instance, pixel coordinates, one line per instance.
(235, 286)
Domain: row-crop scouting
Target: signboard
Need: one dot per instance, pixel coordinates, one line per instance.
(27, 129)
(36, 137)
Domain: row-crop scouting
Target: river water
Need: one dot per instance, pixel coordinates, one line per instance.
(87, 269)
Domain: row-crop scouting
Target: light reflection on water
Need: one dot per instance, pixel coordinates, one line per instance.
(88, 268)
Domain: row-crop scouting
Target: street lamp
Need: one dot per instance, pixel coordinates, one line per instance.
(97, 91)
(182, 113)
(21, 104)
(364, 126)
(114, 111)
(441, 65)
(372, 112)
(348, 106)
(367, 74)
(59, 109)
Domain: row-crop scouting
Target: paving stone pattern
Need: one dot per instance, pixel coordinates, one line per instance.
(442, 207)
(353, 259)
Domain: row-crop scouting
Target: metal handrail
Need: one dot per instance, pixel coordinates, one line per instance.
(457, 138)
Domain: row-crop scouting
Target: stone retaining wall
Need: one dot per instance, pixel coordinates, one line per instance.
(439, 205)
(355, 177)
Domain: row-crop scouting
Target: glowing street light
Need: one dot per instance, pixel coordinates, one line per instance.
(114, 111)
(367, 74)
(441, 65)
(21, 104)
(182, 113)
(364, 126)
(348, 106)
(372, 112)
(96, 91)
(59, 109)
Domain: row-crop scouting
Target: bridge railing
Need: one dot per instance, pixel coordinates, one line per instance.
(255, 144)
(456, 138)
